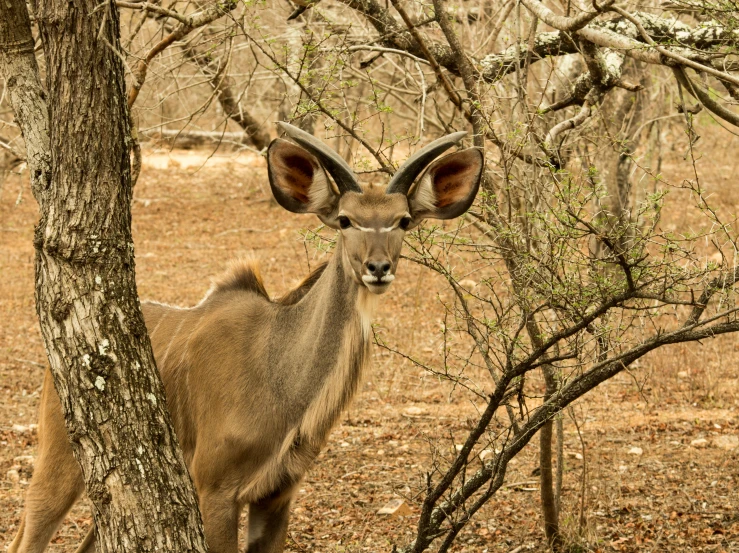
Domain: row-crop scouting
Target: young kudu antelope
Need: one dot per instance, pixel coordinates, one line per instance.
(254, 385)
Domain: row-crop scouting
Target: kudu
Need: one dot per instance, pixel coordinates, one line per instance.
(253, 384)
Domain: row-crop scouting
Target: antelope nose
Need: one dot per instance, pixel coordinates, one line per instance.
(377, 269)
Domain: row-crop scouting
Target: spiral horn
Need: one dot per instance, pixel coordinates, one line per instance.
(336, 166)
(406, 175)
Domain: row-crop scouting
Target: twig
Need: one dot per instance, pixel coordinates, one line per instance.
(370, 48)
(245, 229)
(704, 98)
(14, 152)
(453, 95)
(422, 109)
(28, 361)
(578, 119)
(385, 165)
(146, 6)
(196, 20)
(519, 484)
(473, 114)
(565, 24)
(583, 480)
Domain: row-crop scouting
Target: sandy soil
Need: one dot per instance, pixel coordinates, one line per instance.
(192, 215)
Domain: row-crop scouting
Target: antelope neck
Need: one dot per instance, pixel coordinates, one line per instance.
(323, 344)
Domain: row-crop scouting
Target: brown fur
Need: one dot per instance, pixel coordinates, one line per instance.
(294, 296)
(254, 385)
(243, 274)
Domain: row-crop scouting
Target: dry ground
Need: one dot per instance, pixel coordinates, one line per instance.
(190, 220)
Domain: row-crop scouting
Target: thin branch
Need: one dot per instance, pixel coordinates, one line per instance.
(567, 394)
(566, 24)
(701, 95)
(146, 6)
(451, 92)
(15, 153)
(370, 48)
(592, 99)
(469, 79)
(195, 21)
(727, 280)
(385, 165)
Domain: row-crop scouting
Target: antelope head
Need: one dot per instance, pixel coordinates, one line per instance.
(372, 220)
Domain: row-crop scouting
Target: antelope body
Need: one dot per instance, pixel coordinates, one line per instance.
(255, 385)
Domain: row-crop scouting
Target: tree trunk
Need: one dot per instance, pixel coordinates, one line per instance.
(19, 68)
(548, 495)
(549, 498)
(86, 299)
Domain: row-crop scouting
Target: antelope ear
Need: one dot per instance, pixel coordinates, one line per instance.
(298, 182)
(448, 187)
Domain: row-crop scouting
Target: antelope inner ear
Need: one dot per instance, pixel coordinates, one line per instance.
(449, 186)
(298, 182)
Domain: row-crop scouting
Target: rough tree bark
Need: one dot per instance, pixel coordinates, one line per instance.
(19, 68)
(86, 298)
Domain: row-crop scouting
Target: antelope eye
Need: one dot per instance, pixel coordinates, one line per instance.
(405, 223)
(344, 222)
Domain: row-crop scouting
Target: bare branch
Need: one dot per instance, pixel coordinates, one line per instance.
(204, 17)
(5, 145)
(593, 98)
(146, 6)
(453, 96)
(385, 165)
(704, 97)
(362, 47)
(674, 55)
(566, 24)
